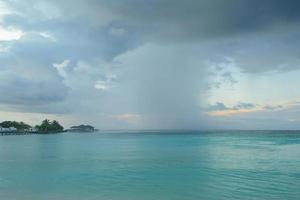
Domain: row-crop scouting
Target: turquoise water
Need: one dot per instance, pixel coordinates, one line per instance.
(151, 166)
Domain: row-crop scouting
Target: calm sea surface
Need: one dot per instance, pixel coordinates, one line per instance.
(151, 166)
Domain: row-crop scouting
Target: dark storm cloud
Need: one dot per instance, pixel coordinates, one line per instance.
(17, 90)
(177, 19)
(201, 19)
(76, 39)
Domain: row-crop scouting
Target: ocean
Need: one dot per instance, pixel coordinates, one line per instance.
(151, 165)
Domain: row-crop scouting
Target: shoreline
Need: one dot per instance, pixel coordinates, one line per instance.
(40, 133)
(28, 133)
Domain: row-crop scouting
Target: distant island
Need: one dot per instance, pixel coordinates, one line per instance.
(82, 128)
(46, 127)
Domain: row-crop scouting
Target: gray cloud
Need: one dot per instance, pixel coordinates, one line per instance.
(243, 105)
(270, 117)
(28, 80)
(228, 77)
(271, 107)
(219, 106)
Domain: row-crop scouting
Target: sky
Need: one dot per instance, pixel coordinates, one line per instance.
(151, 64)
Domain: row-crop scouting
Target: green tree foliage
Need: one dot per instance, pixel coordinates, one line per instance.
(57, 126)
(20, 126)
(49, 127)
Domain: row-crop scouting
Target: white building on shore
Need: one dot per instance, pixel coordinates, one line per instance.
(32, 129)
(10, 129)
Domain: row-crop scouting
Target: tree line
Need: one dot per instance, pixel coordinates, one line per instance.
(49, 126)
(18, 125)
(46, 126)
